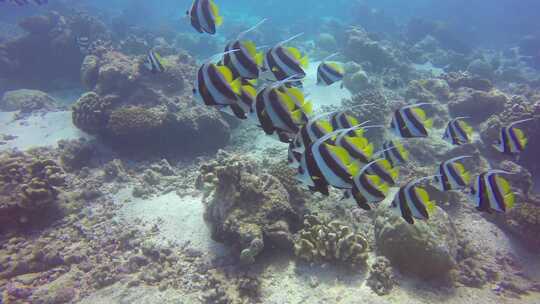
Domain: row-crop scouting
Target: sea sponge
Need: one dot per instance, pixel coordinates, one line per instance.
(330, 241)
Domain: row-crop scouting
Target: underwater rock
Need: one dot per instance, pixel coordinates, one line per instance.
(481, 68)
(428, 90)
(427, 249)
(381, 276)
(330, 241)
(457, 80)
(91, 112)
(361, 48)
(478, 105)
(27, 101)
(356, 79)
(115, 170)
(90, 71)
(131, 107)
(241, 204)
(327, 42)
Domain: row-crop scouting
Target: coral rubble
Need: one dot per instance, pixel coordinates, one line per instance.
(381, 276)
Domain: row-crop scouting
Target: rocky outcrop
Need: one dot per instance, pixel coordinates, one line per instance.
(426, 249)
(476, 104)
(243, 207)
(27, 101)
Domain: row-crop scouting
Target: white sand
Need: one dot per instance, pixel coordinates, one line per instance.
(180, 220)
(38, 130)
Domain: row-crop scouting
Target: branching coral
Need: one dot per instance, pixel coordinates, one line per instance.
(330, 241)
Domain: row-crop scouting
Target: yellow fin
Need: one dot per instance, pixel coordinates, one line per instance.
(353, 168)
(352, 120)
(259, 59)
(504, 185)
(297, 94)
(420, 113)
(325, 125)
(286, 99)
(296, 116)
(466, 127)
(249, 90)
(308, 107)
(236, 86)
(428, 123)
(226, 72)
(510, 200)
(251, 48)
(521, 136)
(402, 151)
(295, 53)
(424, 198)
(304, 61)
(338, 68)
(340, 152)
(215, 12)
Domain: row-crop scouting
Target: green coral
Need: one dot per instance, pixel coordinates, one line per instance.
(330, 241)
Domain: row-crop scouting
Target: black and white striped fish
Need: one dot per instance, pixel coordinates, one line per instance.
(242, 108)
(452, 175)
(512, 140)
(215, 86)
(286, 62)
(368, 188)
(395, 153)
(154, 62)
(204, 16)
(410, 121)
(413, 202)
(492, 192)
(329, 73)
(458, 132)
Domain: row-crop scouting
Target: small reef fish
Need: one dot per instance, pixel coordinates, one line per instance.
(395, 153)
(342, 120)
(83, 43)
(329, 73)
(315, 128)
(368, 188)
(286, 62)
(246, 62)
(411, 121)
(154, 62)
(458, 132)
(334, 162)
(413, 202)
(354, 142)
(242, 108)
(452, 175)
(512, 140)
(492, 192)
(215, 86)
(204, 16)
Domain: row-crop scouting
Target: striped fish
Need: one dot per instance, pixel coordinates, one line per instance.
(286, 62)
(410, 121)
(329, 72)
(83, 43)
(458, 132)
(309, 173)
(368, 188)
(335, 164)
(154, 62)
(452, 175)
(413, 202)
(358, 146)
(512, 140)
(242, 108)
(215, 86)
(315, 128)
(395, 153)
(284, 113)
(492, 192)
(204, 16)
(246, 62)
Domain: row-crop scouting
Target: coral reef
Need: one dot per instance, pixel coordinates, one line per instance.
(361, 48)
(75, 154)
(28, 185)
(27, 101)
(330, 241)
(356, 79)
(427, 250)
(428, 90)
(381, 276)
(457, 80)
(131, 107)
(241, 204)
(476, 104)
(326, 42)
